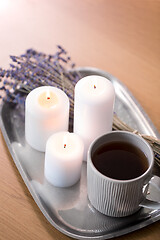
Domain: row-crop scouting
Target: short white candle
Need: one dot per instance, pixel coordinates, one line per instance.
(46, 112)
(93, 108)
(63, 159)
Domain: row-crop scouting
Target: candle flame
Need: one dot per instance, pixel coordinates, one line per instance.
(48, 96)
(94, 83)
(47, 99)
(65, 141)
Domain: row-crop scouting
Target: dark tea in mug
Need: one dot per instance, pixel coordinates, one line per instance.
(120, 160)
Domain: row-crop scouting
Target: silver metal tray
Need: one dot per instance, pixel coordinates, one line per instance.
(68, 209)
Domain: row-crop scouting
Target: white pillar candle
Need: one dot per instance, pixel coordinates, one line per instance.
(46, 112)
(63, 159)
(93, 108)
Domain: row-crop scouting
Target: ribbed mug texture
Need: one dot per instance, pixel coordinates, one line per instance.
(113, 198)
(116, 198)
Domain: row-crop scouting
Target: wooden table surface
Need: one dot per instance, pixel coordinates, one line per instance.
(119, 36)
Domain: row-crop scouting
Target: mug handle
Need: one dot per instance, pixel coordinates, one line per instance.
(149, 203)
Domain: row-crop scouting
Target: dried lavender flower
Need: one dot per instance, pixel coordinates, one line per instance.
(33, 69)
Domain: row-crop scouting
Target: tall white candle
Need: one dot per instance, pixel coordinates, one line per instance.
(46, 112)
(63, 159)
(93, 108)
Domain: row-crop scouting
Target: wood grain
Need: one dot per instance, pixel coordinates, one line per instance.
(119, 36)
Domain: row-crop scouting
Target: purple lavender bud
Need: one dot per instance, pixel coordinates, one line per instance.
(72, 65)
(63, 60)
(14, 59)
(2, 73)
(2, 88)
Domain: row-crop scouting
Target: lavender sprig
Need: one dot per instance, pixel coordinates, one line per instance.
(34, 69)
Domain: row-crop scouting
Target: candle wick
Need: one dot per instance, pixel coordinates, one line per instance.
(94, 86)
(64, 145)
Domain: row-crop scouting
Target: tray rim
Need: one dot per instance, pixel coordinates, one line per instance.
(34, 194)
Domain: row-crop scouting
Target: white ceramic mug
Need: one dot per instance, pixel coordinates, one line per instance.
(119, 198)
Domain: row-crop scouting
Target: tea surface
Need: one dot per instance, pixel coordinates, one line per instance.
(121, 161)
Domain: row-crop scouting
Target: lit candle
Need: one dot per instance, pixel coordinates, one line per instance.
(63, 159)
(93, 108)
(46, 112)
